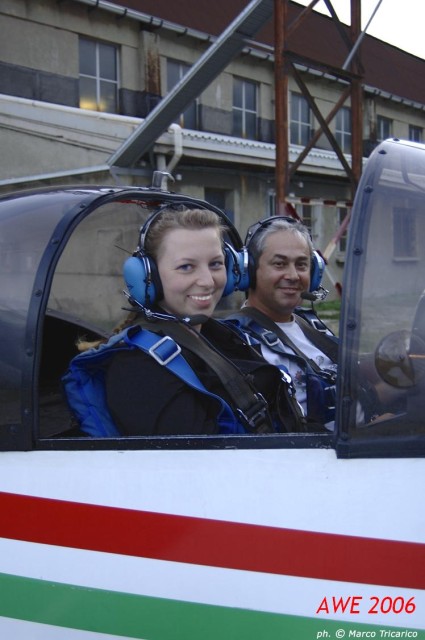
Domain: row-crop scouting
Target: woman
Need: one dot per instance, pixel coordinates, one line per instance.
(176, 278)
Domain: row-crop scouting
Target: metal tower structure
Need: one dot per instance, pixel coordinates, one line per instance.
(287, 63)
(229, 44)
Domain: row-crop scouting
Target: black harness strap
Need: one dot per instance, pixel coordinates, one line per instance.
(328, 346)
(326, 343)
(250, 406)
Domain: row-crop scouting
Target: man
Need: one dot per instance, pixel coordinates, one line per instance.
(284, 268)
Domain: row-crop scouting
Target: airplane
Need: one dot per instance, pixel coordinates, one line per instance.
(289, 535)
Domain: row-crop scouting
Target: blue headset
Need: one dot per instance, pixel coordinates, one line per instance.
(141, 272)
(317, 262)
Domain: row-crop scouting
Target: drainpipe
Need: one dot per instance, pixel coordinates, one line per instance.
(161, 160)
(164, 171)
(178, 147)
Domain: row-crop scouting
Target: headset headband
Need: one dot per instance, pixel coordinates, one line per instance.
(266, 222)
(234, 237)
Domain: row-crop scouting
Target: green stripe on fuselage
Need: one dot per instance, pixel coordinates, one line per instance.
(134, 616)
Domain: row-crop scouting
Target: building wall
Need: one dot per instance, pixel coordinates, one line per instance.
(39, 62)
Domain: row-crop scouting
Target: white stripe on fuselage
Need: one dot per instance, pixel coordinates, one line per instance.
(195, 583)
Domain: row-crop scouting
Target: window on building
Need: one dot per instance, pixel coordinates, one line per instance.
(305, 211)
(342, 241)
(301, 120)
(416, 134)
(176, 69)
(343, 129)
(245, 117)
(222, 199)
(385, 128)
(98, 76)
(271, 203)
(404, 233)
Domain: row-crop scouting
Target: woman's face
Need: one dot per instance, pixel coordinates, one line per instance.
(191, 267)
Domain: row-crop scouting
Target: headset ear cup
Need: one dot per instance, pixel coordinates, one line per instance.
(236, 263)
(243, 259)
(231, 270)
(142, 280)
(317, 269)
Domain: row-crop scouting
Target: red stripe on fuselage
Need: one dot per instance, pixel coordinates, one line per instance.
(213, 543)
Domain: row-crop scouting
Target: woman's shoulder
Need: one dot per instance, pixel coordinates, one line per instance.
(133, 373)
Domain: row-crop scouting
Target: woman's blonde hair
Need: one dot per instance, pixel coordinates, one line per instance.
(180, 217)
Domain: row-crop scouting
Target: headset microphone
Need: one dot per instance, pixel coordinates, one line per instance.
(155, 315)
(307, 295)
(320, 294)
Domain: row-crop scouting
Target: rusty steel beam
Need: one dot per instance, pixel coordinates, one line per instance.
(285, 61)
(343, 98)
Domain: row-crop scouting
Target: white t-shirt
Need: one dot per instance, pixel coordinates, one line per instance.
(295, 369)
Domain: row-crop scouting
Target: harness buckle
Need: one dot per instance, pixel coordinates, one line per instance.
(284, 375)
(270, 338)
(164, 350)
(330, 397)
(255, 415)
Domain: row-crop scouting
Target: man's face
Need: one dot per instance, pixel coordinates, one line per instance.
(283, 273)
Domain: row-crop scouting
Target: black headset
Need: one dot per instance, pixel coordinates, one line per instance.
(317, 262)
(141, 272)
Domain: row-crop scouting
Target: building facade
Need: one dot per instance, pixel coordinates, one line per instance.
(79, 77)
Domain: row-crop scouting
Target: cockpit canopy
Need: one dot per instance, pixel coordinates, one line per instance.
(61, 257)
